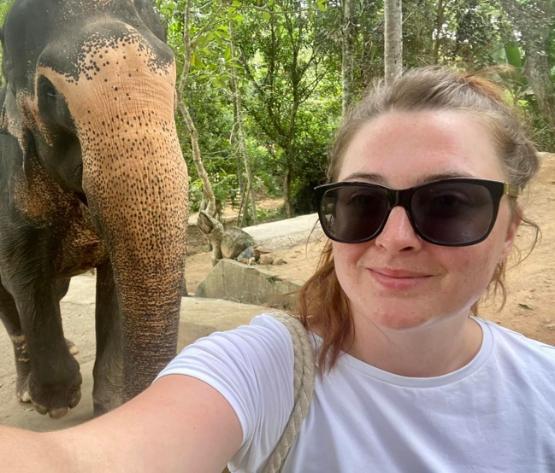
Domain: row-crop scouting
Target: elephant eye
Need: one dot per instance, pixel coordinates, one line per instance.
(53, 107)
(46, 88)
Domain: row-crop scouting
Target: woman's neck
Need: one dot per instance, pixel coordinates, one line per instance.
(438, 348)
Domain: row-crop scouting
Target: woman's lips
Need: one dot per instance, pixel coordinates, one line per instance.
(398, 279)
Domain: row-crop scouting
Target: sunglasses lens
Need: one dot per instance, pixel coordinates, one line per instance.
(452, 213)
(353, 213)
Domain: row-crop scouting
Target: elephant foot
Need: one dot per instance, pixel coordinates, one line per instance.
(22, 388)
(72, 347)
(55, 413)
(22, 391)
(99, 409)
(52, 397)
(107, 403)
(56, 401)
(24, 396)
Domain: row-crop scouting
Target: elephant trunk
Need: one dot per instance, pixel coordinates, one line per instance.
(142, 214)
(136, 186)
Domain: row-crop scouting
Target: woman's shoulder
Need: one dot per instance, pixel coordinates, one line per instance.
(252, 367)
(520, 349)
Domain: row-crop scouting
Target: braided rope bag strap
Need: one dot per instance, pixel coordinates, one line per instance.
(303, 389)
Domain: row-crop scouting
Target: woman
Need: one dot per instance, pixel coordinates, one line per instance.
(422, 211)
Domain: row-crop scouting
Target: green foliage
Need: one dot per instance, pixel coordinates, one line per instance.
(288, 65)
(4, 8)
(286, 58)
(270, 215)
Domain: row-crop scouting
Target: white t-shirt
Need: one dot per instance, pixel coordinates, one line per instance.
(496, 414)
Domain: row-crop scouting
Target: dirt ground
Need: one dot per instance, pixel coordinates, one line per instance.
(531, 282)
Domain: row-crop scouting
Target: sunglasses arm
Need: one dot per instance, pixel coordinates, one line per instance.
(511, 190)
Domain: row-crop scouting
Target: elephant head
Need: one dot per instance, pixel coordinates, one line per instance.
(90, 99)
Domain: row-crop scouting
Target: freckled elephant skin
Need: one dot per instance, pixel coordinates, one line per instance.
(91, 175)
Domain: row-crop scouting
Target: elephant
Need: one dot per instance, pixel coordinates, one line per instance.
(91, 176)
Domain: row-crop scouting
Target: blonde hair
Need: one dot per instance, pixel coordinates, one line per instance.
(322, 303)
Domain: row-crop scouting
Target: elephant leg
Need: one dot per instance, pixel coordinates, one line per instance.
(55, 380)
(10, 319)
(108, 367)
(61, 288)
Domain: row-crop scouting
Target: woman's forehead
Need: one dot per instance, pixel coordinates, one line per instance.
(414, 147)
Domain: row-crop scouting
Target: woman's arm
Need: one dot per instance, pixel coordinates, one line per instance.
(178, 424)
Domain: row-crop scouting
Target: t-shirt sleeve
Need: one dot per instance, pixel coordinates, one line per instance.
(252, 367)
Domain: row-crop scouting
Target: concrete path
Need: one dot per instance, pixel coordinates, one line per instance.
(286, 233)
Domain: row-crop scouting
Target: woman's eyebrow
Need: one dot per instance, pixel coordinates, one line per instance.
(380, 179)
(443, 175)
(357, 176)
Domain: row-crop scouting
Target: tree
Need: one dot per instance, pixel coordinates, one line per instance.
(438, 30)
(347, 57)
(535, 21)
(247, 207)
(4, 7)
(393, 53)
(282, 64)
(268, 81)
(188, 46)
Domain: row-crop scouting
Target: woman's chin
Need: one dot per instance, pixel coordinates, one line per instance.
(400, 317)
(396, 322)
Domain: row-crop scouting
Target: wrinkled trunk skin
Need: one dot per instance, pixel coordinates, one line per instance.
(135, 182)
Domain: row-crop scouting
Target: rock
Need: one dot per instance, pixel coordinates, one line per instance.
(226, 242)
(238, 282)
(234, 242)
(266, 259)
(247, 256)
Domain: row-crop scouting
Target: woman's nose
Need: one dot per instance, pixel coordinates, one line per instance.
(398, 233)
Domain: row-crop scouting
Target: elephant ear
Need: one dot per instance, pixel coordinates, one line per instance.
(11, 119)
(151, 18)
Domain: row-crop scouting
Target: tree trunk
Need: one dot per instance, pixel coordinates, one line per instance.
(197, 157)
(393, 44)
(287, 193)
(207, 190)
(289, 146)
(440, 16)
(534, 21)
(247, 208)
(347, 54)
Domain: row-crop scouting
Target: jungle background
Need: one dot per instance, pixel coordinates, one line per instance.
(263, 84)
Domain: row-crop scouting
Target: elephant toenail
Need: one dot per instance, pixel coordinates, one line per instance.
(58, 413)
(75, 400)
(40, 409)
(25, 397)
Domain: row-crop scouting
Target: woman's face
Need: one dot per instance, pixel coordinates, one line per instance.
(398, 280)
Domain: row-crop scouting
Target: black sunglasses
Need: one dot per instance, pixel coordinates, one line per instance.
(449, 212)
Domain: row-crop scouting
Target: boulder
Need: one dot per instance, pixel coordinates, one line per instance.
(239, 282)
